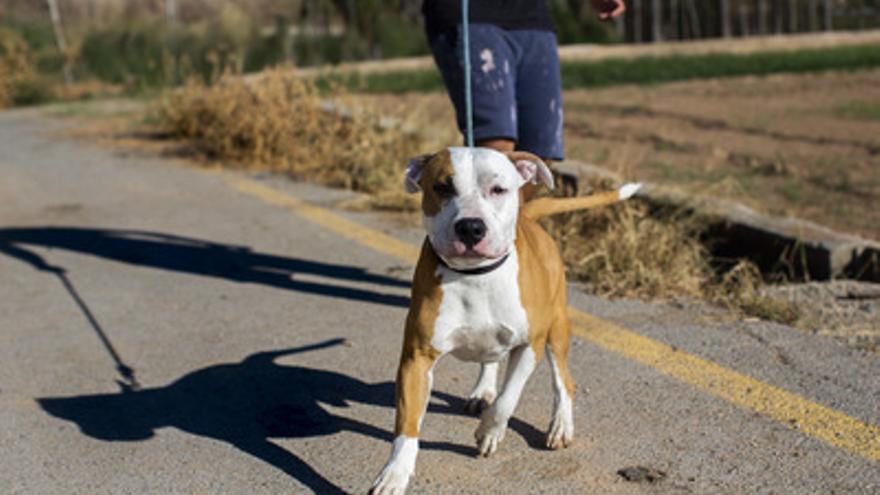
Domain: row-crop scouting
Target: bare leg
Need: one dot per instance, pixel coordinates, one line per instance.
(502, 145)
(493, 423)
(484, 390)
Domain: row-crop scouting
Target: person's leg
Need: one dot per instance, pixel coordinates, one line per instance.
(502, 145)
(493, 71)
(492, 83)
(538, 95)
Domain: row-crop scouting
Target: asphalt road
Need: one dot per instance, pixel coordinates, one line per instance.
(166, 329)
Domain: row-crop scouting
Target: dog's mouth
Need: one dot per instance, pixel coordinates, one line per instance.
(460, 256)
(479, 251)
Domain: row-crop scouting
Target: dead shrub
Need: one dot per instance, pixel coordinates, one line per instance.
(283, 123)
(629, 250)
(739, 288)
(623, 251)
(17, 71)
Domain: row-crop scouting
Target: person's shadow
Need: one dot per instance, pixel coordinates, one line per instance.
(192, 256)
(243, 404)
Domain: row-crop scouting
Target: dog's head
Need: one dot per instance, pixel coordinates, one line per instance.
(470, 200)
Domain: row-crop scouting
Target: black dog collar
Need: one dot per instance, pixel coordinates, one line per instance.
(480, 270)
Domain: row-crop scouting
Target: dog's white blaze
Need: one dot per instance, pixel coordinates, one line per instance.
(481, 317)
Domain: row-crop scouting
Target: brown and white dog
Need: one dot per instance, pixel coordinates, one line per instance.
(489, 284)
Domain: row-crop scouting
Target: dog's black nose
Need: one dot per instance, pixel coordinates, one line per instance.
(470, 231)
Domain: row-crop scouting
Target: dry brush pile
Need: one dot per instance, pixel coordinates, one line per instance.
(630, 250)
(283, 123)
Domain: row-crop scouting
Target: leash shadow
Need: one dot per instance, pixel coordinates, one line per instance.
(243, 404)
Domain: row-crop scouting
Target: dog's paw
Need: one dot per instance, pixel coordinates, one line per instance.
(489, 434)
(475, 404)
(400, 466)
(391, 481)
(560, 435)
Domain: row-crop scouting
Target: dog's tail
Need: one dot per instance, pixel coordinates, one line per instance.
(542, 207)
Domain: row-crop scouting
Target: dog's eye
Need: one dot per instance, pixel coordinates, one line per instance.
(498, 190)
(445, 190)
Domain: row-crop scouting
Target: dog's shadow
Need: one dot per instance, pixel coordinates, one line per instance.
(245, 404)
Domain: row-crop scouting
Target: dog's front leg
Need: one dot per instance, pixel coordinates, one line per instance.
(483, 393)
(414, 378)
(493, 423)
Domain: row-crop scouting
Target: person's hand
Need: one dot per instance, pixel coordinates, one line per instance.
(609, 9)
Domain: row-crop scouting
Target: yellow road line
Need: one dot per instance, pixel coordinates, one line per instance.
(824, 423)
(371, 238)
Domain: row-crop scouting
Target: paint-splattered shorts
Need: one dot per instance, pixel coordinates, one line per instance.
(517, 90)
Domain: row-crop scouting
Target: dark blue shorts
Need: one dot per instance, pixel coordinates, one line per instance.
(517, 91)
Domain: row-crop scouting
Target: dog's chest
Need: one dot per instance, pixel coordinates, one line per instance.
(481, 317)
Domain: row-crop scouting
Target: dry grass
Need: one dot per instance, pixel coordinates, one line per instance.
(622, 251)
(741, 289)
(16, 67)
(282, 123)
(22, 84)
(629, 250)
(86, 90)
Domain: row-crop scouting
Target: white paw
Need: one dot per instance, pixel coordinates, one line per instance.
(478, 402)
(401, 464)
(391, 481)
(489, 434)
(561, 433)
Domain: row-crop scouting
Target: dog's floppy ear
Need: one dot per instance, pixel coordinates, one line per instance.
(414, 173)
(531, 168)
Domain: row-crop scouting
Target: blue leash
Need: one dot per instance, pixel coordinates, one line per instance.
(468, 96)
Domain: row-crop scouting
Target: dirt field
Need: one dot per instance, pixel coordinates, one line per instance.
(806, 146)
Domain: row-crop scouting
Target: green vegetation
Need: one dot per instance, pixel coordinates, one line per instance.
(650, 70)
(133, 55)
(859, 110)
(792, 191)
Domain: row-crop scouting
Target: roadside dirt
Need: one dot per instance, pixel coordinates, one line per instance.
(845, 310)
